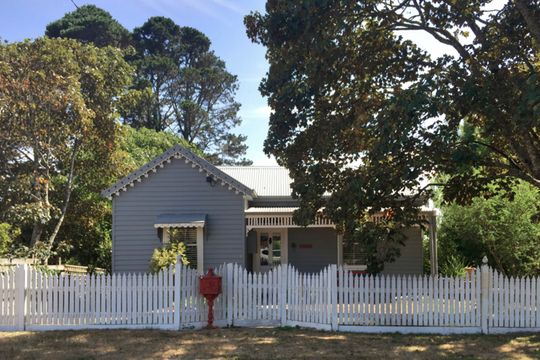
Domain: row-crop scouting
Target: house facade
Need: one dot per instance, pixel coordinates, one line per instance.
(238, 214)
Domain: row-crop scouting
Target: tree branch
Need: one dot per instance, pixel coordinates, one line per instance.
(531, 18)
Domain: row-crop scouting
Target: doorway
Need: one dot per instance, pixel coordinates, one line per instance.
(271, 249)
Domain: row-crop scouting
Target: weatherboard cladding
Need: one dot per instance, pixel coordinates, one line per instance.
(177, 188)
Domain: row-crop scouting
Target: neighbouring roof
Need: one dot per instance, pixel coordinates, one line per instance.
(177, 152)
(180, 220)
(265, 180)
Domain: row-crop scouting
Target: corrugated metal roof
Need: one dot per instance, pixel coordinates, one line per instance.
(265, 180)
(180, 220)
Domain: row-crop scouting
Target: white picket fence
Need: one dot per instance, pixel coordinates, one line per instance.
(333, 299)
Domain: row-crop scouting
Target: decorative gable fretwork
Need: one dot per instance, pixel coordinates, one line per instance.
(177, 152)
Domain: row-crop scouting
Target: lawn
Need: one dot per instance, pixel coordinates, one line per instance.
(261, 343)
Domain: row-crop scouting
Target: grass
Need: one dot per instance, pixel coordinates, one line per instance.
(261, 343)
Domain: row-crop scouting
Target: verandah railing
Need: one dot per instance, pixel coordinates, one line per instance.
(333, 299)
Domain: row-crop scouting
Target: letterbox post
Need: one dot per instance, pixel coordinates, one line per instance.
(210, 288)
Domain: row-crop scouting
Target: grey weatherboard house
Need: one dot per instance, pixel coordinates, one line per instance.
(238, 214)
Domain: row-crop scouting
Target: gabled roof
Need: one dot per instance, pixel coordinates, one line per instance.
(265, 180)
(178, 152)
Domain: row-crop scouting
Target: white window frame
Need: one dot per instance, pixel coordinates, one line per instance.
(200, 245)
(341, 246)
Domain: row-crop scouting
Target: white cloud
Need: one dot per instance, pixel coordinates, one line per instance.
(165, 7)
(258, 112)
(231, 6)
(262, 160)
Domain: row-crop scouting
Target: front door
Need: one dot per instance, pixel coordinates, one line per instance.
(269, 249)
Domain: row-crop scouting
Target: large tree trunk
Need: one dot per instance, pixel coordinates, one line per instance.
(37, 231)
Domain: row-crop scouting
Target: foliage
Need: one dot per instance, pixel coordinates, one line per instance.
(453, 266)
(58, 117)
(380, 242)
(46, 270)
(366, 115)
(507, 232)
(7, 236)
(90, 24)
(139, 146)
(164, 257)
(426, 253)
(183, 86)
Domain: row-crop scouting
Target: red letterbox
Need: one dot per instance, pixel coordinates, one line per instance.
(210, 288)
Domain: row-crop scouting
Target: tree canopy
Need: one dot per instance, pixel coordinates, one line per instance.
(58, 116)
(90, 24)
(184, 87)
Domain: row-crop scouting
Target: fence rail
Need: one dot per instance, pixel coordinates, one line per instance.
(333, 299)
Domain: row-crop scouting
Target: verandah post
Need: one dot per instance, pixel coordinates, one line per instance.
(20, 295)
(484, 294)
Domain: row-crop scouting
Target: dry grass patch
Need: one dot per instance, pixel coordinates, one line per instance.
(261, 343)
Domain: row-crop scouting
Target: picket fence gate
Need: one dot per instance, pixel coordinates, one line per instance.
(333, 299)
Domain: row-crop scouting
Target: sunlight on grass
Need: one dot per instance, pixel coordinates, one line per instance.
(415, 348)
(260, 343)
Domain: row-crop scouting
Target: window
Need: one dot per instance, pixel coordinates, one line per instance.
(188, 236)
(353, 253)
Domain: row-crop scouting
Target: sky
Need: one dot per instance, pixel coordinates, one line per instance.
(220, 20)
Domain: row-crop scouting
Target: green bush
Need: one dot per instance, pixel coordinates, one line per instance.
(454, 266)
(7, 236)
(164, 257)
(505, 230)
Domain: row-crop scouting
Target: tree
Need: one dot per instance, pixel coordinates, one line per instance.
(507, 232)
(138, 146)
(157, 43)
(365, 114)
(90, 24)
(57, 124)
(192, 93)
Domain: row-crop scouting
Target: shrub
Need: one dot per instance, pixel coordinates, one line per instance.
(7, 236)
(454, 266)
(506, 230)
(164, 257)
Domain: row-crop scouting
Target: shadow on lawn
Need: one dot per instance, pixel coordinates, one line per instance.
(262, 343)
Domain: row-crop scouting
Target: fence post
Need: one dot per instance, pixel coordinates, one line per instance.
(484, 294)
(20, 296)
(283, 294)
(333, 298)
(177, 300)
(230, 294)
